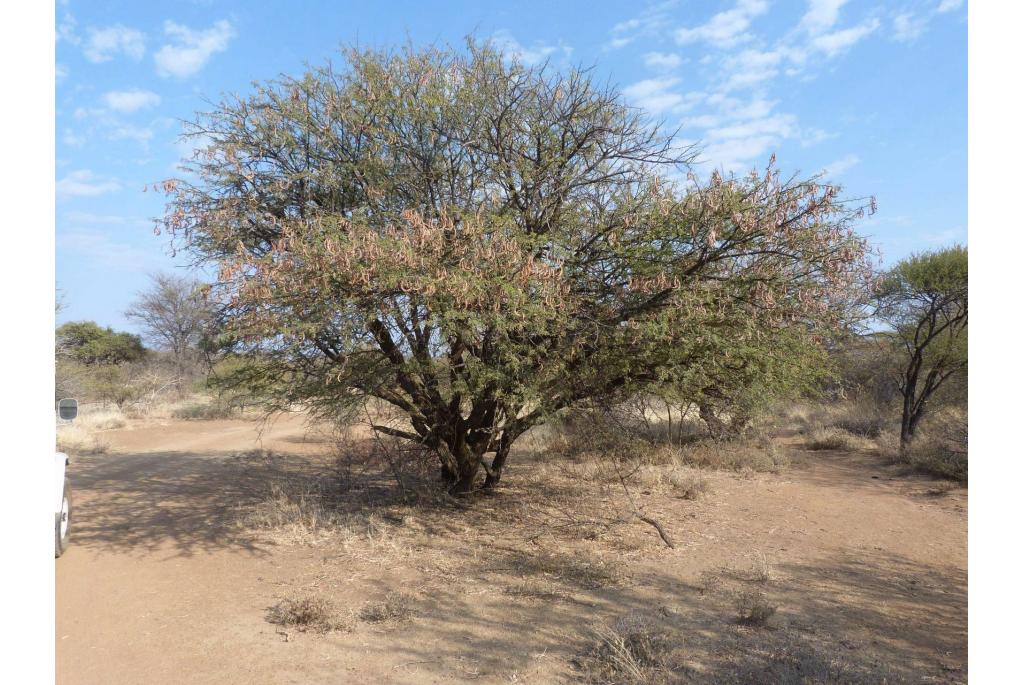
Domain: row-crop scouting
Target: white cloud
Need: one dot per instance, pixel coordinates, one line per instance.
(656, 95)
(102, 249)
(751, 67)
(739, 154)
(61, 73)
(725, 29)
(838, 41)
(907, 27)
(649, 22)
(66, 30)
(190, 50)
(103, 44)
(528, 55)
(949, 5)
(84, 183)
(665, 61)
(821, 15)
(841, 165)
(776, 125)
(70, 138)
(139, 134)
(130, 100)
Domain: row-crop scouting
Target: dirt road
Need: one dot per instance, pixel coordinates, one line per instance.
(163, 585)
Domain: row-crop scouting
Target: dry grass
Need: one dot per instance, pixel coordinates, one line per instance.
(306, 614)
(204, 411)
(833, 438)
(100, 418)
(395, 608)
(754, 609)
(689, 485)
(763, 572)
(75, 439)
(533, 588)
(633, 651)
(762, 455)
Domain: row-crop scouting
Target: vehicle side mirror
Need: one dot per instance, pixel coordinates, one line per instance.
(67, 410)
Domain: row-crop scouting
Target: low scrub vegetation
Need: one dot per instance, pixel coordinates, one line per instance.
(835, 438)
(634, 651)
(395, 608)
(754, 609)
(74, 439)
(309, 613)
(204, 411)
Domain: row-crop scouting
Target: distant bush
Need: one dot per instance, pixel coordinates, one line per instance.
(204, 411)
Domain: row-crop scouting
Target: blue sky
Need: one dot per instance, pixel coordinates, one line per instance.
(875, 93)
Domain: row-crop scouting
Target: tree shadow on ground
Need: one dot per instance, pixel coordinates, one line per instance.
(179, 502)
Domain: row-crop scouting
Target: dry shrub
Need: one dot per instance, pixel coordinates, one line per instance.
(833, 438)
(74, 439)
(689, 485)
(395, 608)
(634, 651)
(748, 455)
(938, 457)
(300, 509)
(754, 609)
(312, 614)
(100, 418)
(204, 411)
(762, 572)
(940, 448)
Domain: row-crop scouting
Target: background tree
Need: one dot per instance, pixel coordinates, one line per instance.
(483, 245)
(173, 315)
(923, 299)
(89, 343)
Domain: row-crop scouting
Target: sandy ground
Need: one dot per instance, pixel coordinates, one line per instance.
(162, 585)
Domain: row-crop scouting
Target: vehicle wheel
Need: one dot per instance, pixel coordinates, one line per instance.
(62, 524)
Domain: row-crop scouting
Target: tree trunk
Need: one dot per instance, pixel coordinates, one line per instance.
(908, 422)
(715, 425)
(494, 476)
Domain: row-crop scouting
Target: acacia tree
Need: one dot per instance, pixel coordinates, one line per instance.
(482, 245)
(923, 299)
(173, 314)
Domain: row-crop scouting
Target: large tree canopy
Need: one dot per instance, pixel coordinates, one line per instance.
(923, 299)
(481, 245)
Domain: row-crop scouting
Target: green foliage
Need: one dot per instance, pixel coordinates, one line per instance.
(923, 299)
(483, 245)
(89, 343)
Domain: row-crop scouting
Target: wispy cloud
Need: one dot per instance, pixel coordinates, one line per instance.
(839, 166)
(656, 95)
(103, 249)
(651, 21)
(908, 26)
(821, 15)
(190, 50)
(130, 100)
(104, 44)
(662, 61)
(84, 183)
(839, 41)
(949, 6)
(535, 54)
(725, 29)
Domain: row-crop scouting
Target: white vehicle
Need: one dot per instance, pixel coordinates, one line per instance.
(67, 410)
(62, 517)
